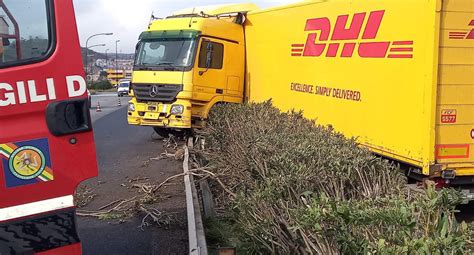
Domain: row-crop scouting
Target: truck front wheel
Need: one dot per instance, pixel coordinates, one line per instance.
(163, 132)
(178, 133)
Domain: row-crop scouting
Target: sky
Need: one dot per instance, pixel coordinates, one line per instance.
(128, 18)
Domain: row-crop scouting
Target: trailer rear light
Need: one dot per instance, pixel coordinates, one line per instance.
(448, 174)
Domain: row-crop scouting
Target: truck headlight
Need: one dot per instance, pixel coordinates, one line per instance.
(177, 109)
(131, 107)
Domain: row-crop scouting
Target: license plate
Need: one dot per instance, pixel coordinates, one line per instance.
(152, 115)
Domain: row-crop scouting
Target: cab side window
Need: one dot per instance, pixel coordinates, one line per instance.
(25, 31)
(217, 55)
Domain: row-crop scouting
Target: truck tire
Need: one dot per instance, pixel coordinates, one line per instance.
(166, 132)
(163, 132)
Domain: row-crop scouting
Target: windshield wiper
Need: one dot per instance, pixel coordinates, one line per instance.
(166, 63)
(170, 64)
(144, 68)
(149, 66)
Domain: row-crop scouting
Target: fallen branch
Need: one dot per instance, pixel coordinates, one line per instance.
(110, 204)
(116, 208)
(174, 177)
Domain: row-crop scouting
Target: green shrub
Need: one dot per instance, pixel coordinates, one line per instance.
(302, 188)
(102, 85)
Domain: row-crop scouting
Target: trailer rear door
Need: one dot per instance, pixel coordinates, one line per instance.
(455, 114)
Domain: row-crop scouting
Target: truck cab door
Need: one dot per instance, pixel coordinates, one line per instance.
(46, 140)
(209, 78)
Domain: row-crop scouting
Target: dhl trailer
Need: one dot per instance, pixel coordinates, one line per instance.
(398, 75)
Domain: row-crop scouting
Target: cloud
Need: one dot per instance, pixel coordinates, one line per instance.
(127, 19)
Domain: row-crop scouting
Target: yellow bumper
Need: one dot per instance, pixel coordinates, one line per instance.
(159, 115)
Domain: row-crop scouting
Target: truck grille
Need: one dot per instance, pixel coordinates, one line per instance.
(156, 92)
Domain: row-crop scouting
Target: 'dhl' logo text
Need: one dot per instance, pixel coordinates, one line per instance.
(321, 42)
(462, 35)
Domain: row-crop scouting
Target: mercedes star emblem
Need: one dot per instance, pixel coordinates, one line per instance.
(153, 91)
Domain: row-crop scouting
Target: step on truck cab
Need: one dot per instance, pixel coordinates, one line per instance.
(187, 63)
(46, 140)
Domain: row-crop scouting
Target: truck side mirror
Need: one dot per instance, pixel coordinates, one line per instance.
(209, 59)
(210, 48)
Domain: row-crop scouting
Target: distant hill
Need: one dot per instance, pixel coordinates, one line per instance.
(31, 48)
(110, 55)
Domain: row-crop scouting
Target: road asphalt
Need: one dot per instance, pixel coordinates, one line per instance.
(109, 102)
(124, 153)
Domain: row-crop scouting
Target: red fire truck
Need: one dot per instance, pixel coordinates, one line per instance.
(46, 140)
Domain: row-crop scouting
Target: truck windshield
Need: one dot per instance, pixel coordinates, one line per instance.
(176, 53)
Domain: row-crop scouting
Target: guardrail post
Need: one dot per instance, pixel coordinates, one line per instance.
(197, 237)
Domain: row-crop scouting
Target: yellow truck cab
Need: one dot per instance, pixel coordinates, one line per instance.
(187, 63)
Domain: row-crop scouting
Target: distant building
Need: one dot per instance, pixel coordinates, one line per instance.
(114, 76)
(123, 64)
(128, 74)
(101, 63)
(123, 71)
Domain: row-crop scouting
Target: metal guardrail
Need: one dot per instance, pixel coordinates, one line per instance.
(197, 238)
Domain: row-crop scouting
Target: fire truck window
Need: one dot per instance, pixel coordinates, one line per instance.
(217, 55)
(24, 31)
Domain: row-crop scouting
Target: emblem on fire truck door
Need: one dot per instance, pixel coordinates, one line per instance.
(26, 162)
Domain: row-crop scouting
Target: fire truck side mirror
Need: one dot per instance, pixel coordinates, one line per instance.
(68, 117)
